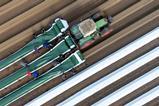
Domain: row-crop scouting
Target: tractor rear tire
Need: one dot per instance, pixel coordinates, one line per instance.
(97, 16)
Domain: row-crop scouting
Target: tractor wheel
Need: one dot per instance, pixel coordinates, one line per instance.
(109, 18)
(97, 16)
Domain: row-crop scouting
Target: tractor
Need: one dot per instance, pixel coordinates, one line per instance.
(91, 29)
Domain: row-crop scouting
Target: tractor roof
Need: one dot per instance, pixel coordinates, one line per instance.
(87, 27)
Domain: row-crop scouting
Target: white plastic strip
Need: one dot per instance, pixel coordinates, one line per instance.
(145, 98)
(130, 87)
(111, 78)
(94, 68)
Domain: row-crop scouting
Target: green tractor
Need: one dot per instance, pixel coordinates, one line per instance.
(91, 29)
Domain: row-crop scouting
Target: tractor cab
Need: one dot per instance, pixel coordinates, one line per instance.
(87, 31)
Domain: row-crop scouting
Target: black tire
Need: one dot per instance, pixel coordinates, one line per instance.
(97, 16)
(109, 18)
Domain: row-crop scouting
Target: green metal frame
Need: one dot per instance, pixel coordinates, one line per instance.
(72, 61)
(42, 61)
(49, 35)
